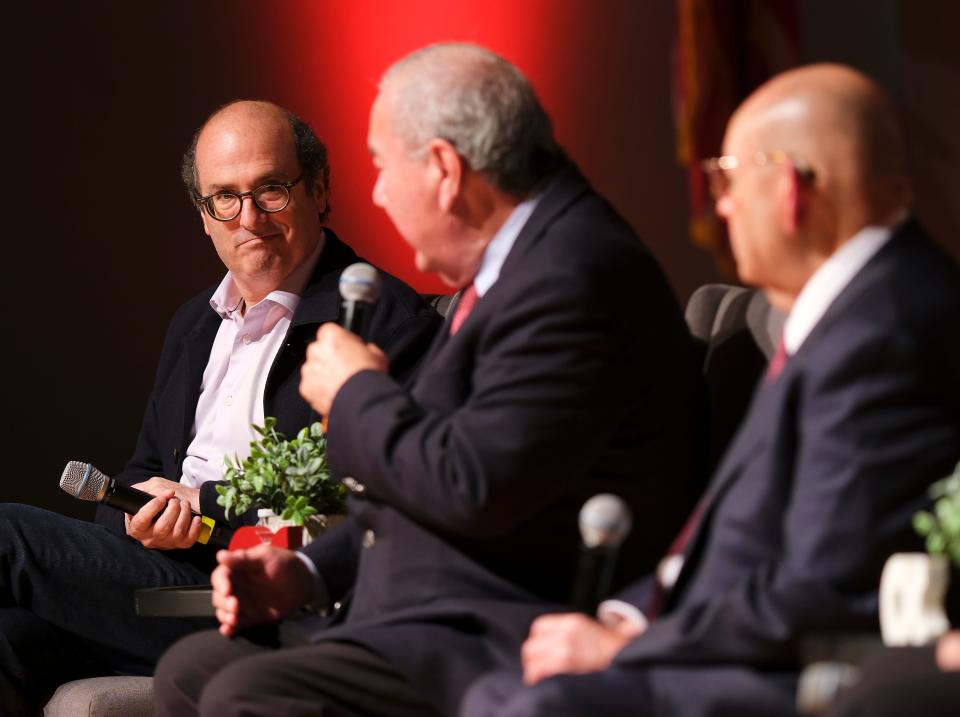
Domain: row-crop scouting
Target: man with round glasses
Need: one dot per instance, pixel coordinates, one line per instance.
(260, 180)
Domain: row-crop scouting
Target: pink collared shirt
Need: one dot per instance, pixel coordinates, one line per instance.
(231, 393)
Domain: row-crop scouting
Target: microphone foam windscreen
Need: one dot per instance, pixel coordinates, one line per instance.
(83, 481)
(605, 521)
(360, 282)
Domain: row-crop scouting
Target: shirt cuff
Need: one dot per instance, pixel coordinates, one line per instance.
(610, 612)
(321, 597)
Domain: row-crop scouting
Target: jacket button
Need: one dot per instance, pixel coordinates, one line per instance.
(369, 539)
(176, 455)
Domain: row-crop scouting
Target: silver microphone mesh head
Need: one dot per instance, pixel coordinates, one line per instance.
(604, 521)
(83, 481)
(360, 282)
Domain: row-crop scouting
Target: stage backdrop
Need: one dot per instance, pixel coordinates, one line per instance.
(100, 100)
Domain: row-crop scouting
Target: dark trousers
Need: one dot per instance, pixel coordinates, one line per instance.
(67, 604)
(274, 672)
(636, 691)
(901, 681)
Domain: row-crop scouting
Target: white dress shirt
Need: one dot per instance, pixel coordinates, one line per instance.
(231, 393)
(501, 244)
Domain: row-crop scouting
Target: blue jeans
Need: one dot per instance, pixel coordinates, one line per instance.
(67, 603)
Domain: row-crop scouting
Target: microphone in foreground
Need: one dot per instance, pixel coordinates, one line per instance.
(360, 289)
(604, 522)
(84, 482)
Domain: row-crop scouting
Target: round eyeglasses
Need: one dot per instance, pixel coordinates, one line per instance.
(226, 206)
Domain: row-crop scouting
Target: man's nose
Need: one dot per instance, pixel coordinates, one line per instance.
(250, 213)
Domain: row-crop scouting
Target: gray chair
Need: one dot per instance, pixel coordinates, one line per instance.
(737, 331)
(103, 697)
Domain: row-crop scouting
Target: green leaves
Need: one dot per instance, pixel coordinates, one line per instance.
(941, 528)
(291, 478)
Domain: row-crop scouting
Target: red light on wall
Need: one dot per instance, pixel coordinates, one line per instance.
(332, 55)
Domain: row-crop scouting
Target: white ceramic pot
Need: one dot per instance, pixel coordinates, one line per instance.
(912, 591)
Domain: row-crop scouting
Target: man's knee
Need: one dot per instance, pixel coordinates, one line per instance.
(487, 695)
(240, 687)
(185, 668)
(544, 699)
(15, 518)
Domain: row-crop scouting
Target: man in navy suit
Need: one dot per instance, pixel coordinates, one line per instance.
(858, 413)
(565, 370)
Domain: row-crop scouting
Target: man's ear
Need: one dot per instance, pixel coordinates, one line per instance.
(791, 197)
(446, 168)
(319, 194)
(205, 218)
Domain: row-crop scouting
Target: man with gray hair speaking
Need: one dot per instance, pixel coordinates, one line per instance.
(565, 370)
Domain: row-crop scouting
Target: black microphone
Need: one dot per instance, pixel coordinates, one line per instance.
(84, 482)
(604, 522)
(360, 289)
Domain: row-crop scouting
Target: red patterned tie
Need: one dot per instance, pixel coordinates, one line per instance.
(467, 301)
(777, 363)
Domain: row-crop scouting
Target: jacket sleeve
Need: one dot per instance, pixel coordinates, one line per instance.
(147, 460)
(336, 555)
(558, 349)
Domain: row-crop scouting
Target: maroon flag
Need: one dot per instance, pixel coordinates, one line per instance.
(724, 50)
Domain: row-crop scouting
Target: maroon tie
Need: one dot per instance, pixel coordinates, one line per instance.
(777, 363)
(674, 552)
(468, 300)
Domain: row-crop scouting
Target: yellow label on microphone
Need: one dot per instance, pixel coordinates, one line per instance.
(207, 530)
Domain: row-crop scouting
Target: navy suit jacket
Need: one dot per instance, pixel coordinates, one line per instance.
(573, 375)
(821, 481)
(402, 325)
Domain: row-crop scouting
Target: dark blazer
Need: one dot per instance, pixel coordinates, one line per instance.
(820, 484)
(573, 375)
(402, 324)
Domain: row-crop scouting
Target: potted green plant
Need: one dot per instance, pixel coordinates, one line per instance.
(913, 585)
(941, 527)
(288, 480)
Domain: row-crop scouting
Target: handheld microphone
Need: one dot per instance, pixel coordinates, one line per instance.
(604, 522)
(84, 482)
(360, 289)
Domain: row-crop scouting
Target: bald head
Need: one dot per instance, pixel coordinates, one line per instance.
(844, 126)
(818, 156)
(287, 134)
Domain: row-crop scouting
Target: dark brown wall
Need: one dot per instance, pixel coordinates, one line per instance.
(100, 100)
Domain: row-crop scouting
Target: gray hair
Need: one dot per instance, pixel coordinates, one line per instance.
(311, 155)
(482, 105)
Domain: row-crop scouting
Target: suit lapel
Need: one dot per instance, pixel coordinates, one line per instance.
(561, 191)
(196, 350)
(767, 403)
(769, 398)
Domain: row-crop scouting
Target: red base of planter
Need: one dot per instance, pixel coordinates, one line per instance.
(250, 536)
